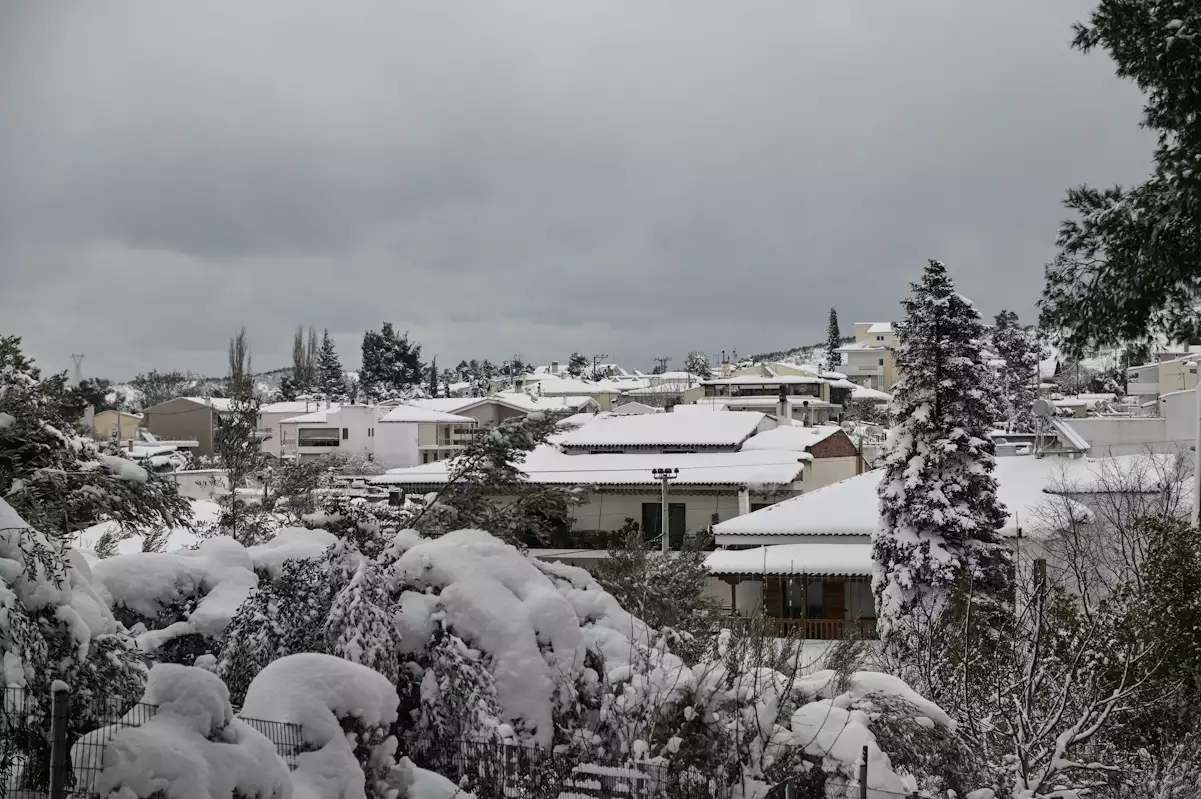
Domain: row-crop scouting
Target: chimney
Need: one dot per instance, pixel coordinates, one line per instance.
(783, 410)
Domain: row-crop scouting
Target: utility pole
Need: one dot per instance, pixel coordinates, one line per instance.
(664, 475)
(662, 363)
(77, 357)
(1196, 515)
(596, 359)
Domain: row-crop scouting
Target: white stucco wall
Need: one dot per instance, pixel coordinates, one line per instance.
(824, 471)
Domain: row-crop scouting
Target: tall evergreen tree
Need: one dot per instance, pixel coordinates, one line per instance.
(697, 363)
(235, 442)
(576, 365)
(331, 380)
(391, 365)
(1019, 351)
(833, 342)
(939, 513)
(433, 384)
(1128, 264)
(58, 480)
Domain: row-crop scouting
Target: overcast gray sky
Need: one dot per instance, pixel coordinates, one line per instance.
(636, 178)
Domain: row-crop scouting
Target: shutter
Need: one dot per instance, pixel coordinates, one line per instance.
(834, 600)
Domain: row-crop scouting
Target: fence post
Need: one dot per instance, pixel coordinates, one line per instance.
(788, 789)
(863, 775)
(58, 740)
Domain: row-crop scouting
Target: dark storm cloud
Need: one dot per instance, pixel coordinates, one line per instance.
(533, 177)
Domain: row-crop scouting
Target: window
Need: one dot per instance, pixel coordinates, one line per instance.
(425, 457)
(881, 362)
(879, 338)
(317, 437)
(759, 506)
(345, 433)
(652, 522)
(370, 432)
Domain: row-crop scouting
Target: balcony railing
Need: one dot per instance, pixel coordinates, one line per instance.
(810, 629)
(318, 442)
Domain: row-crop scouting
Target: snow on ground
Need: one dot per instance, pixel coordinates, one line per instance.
(203, 512)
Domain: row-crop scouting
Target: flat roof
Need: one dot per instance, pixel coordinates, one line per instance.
(666, 430)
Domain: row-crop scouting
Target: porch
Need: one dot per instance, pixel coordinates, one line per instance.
(816, 591)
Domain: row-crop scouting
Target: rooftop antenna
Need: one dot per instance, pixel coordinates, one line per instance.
(1043, 410)
(78, 358)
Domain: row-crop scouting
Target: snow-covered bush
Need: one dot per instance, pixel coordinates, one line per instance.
(369, 526)
(345, 712)
(193, 747)
(55, 626)
(183, 601)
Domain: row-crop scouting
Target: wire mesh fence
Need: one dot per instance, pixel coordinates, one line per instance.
(493, 770)
(41, 758)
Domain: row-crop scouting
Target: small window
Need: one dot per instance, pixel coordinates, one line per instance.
(879, 338)
(759, 506)
(345, 433)
(881, 362)
(425, 457)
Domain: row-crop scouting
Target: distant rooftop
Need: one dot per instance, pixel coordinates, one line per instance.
(666, 430)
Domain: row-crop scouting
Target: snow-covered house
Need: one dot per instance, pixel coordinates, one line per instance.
(531, 401)
(271, 414)
(602, 391)
(665, 390)
(807, 561)
(665, 433)
(806, 397)
(115, 425)
(616, 486)
(487, 411)
(868, 360)
(394, 436)
(186, 418)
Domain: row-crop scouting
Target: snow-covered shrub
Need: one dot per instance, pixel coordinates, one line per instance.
(345, 712)
(193, 747)
(185, 600)
(55, 626)
(282, 617)
(369, 526)
(359, 627)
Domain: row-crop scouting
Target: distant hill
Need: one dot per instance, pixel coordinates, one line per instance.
(806, 353)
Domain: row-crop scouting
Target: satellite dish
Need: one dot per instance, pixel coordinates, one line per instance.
(1043, 409)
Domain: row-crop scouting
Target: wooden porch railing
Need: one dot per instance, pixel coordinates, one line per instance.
(812, 629)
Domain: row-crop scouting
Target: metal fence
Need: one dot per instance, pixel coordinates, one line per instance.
(53, 746)
(501, 771)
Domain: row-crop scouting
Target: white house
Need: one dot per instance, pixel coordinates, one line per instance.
(397, 436)
(807, 560)
(271, 414)
(869, 361)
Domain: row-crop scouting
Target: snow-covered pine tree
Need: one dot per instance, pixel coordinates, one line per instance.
(359, 627)
(833, 342)
(1019, 351)
(433, 382)
(697, 363)
(282, 617)
(391, 364)
(576, 365)
(939, 513)
(331, 381)
(59, 481)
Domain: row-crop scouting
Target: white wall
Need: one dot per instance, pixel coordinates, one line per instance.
(201, 483)
(824, 471)
(1123, 435)
(396, 444)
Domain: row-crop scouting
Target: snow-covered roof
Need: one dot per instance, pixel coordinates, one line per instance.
(671, 387)
(767, 403)
(758, 380)
(319, 416)
(861, 345)
(530, 402)
(414, 413)
(559, 386)
(666, 430)
(817, 558)
(880, 328)
(216, 403)
(290, 407)
(791, 439)
(699, 406)
(551, 466)
(863, 393)
(627, 408)
(851, 507)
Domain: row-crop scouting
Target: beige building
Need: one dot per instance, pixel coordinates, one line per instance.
(186, 418)
(869, 361)
(108, 425)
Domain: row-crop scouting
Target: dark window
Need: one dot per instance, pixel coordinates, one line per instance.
(881, 362)
(345, 433)
(759, 506)
(425, 457)
(652, 522)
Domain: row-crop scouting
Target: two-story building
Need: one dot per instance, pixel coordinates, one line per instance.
(186, 418)
(392, 436)
(806, 396)
(869, 361)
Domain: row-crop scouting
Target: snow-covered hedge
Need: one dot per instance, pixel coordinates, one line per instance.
(192, 748)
